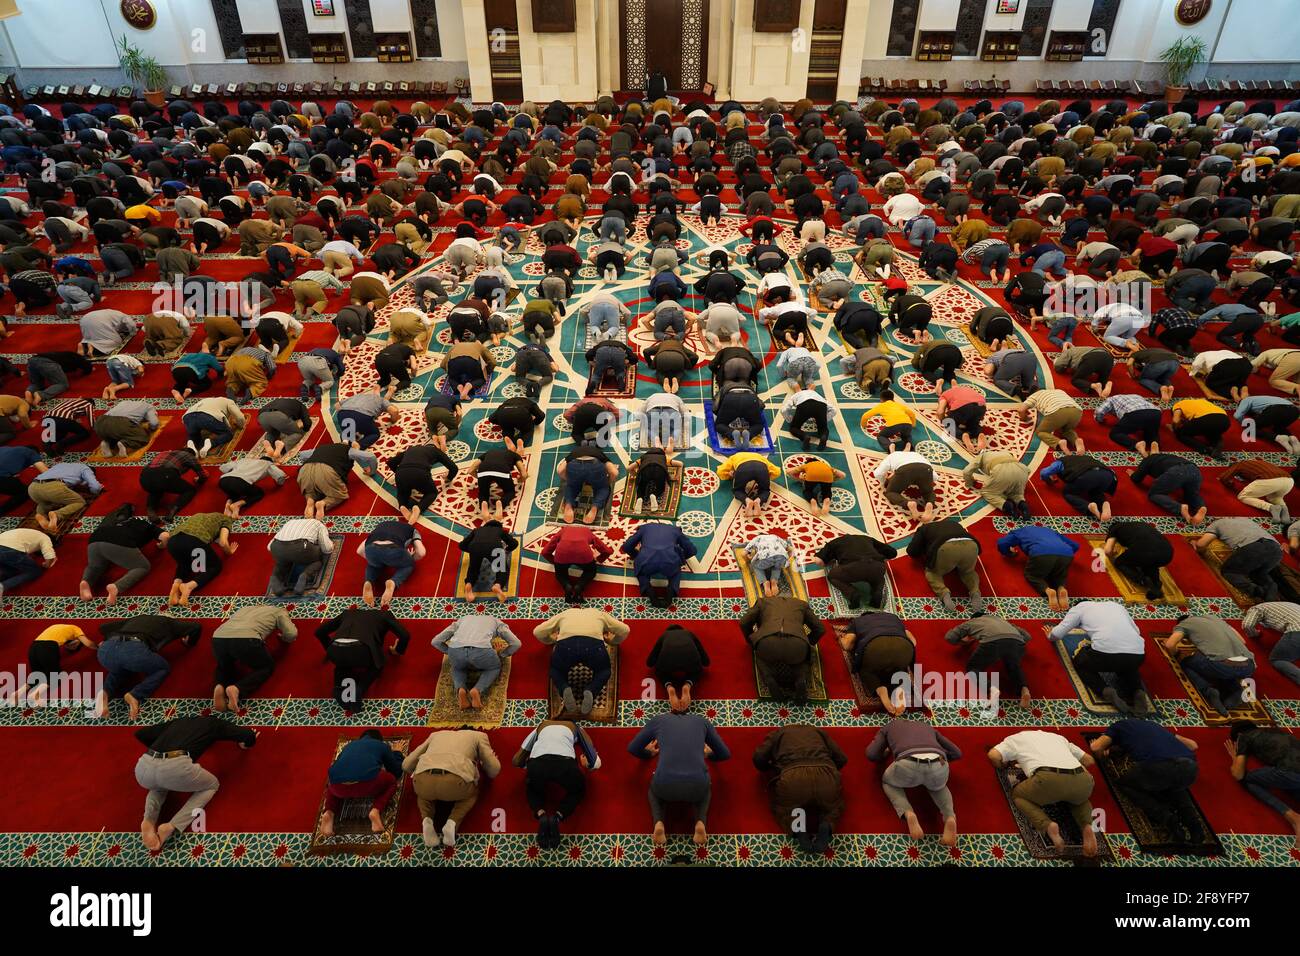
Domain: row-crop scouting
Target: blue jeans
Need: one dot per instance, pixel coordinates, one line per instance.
(1206, 674)
(921, 232)
(580, 650)
(613, 227)
(1284, 655)
(603, 316)
(18, 568)
(119, 373)
(197, 424)
(1053, 262)
(1156, 374)
(482, 659)
(381, 556)
(586, 472)
(124, 659)
(1263, 781)
(1062, 329)
(1184, 478)
(1120, 332)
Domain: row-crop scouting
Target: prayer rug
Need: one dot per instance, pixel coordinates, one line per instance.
(95, 458)
(444, 386)
(1134, 593)
(1252, 711)
(445, 712)
(223, 453)
(511, 588)
(1150, 837)
(1214, 556)
(321, 587)
(285, 355)
(867, 703)
(352, 833)
(1038, 844)
(605, 710)
(263, 447)
(791, 582)
(840, 609)
(668, 504)
(716, 444)
(817, 692)
(627, 389)
(1066, 648)
(65, 524)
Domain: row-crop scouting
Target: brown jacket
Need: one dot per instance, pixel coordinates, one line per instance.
(461, 752)
(781, 615)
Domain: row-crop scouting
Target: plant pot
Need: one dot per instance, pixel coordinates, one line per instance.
(1175, 95)
(155, 98)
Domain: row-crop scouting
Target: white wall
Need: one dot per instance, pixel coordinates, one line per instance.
(1243, 40)
(451, 30)
(767, 64)
(559, 65)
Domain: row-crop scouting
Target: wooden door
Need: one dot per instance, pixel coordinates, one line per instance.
(824, 49)
(502, 18)
(668, 36)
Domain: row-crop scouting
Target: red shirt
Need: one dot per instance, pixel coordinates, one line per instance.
(1151, 245)
(575, 544)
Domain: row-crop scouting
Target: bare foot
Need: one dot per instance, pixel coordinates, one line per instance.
(149, 836)
(913, 826)
(376, 821)
(165, 833)
(327, 824)
(112, 594)
(368, 594)
(232, 698)
(949, 837)
(659, 836)
(1054, 834)
(462, 698)
(389, 587)
(701, 836)
(218, 698)
(1089, 842)
(85, 591)
(1025, 698)
(475, 699)
(133, 705)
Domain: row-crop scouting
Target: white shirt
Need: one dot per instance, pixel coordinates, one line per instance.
(1205, 361)
(903, 207)
(1108, 624)
(1033, 749)
(553, 740)
(28, 541)
(896, 460)
(345, 247)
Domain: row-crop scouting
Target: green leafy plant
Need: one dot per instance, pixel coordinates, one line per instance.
(1181, 57)
(141, 69)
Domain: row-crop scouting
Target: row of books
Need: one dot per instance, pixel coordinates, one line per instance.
(337, 88)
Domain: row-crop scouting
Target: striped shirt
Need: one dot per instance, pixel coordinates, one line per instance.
(305, 529)
(1280, 616)
(975, 252)
(1045, 401)
(72, 408)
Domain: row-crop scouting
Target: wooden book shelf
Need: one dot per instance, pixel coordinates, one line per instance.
(1067, 46)
(1000, 45)
(394, 47)
(329, 48)
(263, 48)
(936, 45)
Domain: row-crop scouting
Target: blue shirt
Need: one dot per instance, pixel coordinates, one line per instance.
(362, 759)
(659, 546)
(1254, 404)
(72, 473)
(202, 362)
(14, 458)
(1036, 540)
(1148, 742)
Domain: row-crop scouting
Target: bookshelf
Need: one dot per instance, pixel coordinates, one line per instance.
(263, 48)
(1067, 46)
(1000, 45)
(936, 45)
(329, 48)
(394, 47)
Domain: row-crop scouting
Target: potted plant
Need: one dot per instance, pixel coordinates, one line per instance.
(143, 71)
(1180, 58)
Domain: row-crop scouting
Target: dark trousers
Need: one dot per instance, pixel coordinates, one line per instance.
(195, 560)
(1203, 434)
(1091, 487)
(1092, 664)
(1185, 479)
(1143, 425)
(1159, 788)
(814, 788)
(236, 654)
(1138, 569)
(579, 586)
(354, 672)
(302, 556)
(555, 772)
(1249, 569)
(1044, 571)
(572, 651)
(379, 791)
(16, 489)
(1007, 652)
(160, 482)
(237, 489)
(859, 581)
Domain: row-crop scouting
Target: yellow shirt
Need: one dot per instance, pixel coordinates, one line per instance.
(63, 633)
(894, 413)
(143, 211)
(817, 470)
(728, 468)
(1197, 407)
